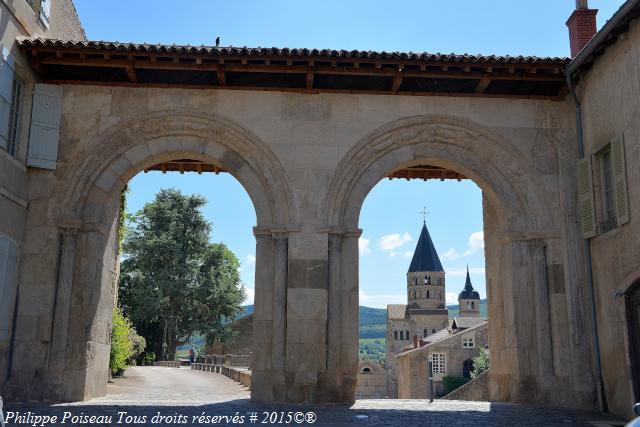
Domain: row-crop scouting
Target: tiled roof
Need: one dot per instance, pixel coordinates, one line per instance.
(287, 52)
(440, 336)
(425, 257)
(396, 311)
(467, 322)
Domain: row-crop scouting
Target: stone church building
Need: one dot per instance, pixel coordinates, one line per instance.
(552, 142)
(425, 315)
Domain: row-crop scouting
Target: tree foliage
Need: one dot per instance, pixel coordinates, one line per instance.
(172, 277)
(126, 344)
(480, 363)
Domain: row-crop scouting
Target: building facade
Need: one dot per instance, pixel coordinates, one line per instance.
(372, 380)
(21, 18)
(425, 311)
(309, 133)
(451, 351)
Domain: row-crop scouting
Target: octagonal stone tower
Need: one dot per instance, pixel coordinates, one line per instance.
(469, 299)
(425, 278)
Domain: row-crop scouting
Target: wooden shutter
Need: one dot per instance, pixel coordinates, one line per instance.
(45, 12)
(6, 87)
(585, 198)
(45, 126)
(619, 173)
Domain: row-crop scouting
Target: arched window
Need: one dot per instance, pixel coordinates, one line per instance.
(428, 295)
(473, 305)
(366, 370)
(428, 280)
(425, 280)
(468, 305)
(395, 335)
(407, 335)
(424, 333)
(401, 336)
(8, 284)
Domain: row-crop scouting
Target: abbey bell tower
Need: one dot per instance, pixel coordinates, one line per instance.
(425, 278)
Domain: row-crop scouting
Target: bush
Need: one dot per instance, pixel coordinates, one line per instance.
(126, 344)
(480, 363)
(452, 383)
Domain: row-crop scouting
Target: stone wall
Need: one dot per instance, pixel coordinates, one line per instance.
(18, 185)
(477, 389)
(412, 365)
(307, 162)
(609, 95)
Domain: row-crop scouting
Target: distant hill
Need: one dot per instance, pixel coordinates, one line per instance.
(454, 310)
(373, 321)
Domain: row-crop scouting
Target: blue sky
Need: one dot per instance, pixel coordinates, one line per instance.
(390, 217)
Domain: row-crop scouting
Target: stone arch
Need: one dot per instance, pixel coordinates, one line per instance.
(126, 148)
(486, 157)
(518, 219)
(85, 209)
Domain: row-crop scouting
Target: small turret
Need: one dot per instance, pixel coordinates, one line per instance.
(469, 299)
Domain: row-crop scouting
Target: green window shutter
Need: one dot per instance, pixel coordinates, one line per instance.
(585, 198)
(620, 194)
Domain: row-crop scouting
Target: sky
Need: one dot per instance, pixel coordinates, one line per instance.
(390, 217)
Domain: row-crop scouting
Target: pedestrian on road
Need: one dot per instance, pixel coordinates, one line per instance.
(192, 356)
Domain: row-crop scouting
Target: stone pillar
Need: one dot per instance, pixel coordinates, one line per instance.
(261, 387)
(331, 382)
(349, 307)
(57, 350)
(279, 323)
(543, 320)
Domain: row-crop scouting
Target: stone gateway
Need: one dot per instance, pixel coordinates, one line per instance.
(309, 133)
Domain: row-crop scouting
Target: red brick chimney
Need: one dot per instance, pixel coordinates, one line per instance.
(415, 341)
(582, 26)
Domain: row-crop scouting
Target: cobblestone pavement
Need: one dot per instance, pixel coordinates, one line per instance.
(169, 392)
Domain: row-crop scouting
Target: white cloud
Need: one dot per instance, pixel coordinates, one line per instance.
(451, 298)
(450, 255)
(476, 241)
(462, 271)
(251, 293)
(363, 246)
(250, 259)
(392, 254)
(390, 242)
(408, 254)
(381, 300)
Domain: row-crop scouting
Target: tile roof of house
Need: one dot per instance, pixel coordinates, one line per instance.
(286, 52)
(298, 70)
(396, 311)
(441, 336)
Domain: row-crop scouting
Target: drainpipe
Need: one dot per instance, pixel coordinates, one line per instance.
(602, 397)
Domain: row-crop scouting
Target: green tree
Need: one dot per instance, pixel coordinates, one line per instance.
(480, 363)
(173, 282)
(126, 344)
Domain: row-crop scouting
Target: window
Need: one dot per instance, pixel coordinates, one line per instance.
(407, 335)
(467, 342)
(10, 96)
(428, 295)
(424, 333)
(473, 305)
(395, 335)
(439, 363)
(433, 331)
(401, 336)
(43, 9)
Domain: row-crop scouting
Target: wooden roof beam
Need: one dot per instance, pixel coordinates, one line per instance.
(397, 81)
(483, 83)
(131, 73)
